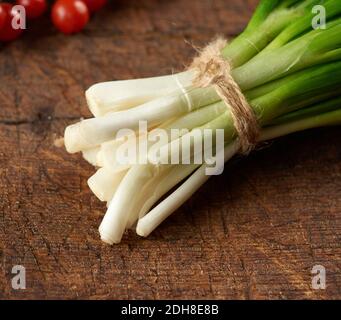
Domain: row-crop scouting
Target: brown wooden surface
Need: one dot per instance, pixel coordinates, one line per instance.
(254, 232)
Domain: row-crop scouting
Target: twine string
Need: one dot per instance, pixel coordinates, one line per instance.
(211, 69)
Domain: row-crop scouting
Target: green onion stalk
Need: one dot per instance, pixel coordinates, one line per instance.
(289, 72)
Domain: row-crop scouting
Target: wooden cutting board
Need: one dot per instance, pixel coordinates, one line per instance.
(254, 232)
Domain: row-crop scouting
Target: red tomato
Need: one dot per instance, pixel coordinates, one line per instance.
(2, 16)
(34, 8)
(7, 32)
(95, 5)
(70, 16)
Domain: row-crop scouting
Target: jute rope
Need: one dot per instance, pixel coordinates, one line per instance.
(211, 69)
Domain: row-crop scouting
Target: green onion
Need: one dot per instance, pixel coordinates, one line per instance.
(289, 73)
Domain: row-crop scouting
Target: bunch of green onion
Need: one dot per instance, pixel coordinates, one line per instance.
(289, 72)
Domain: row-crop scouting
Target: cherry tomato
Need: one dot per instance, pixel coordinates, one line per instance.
(95, 5)
(2, 16)
(70, 16)
(34, 8)
(7, 32)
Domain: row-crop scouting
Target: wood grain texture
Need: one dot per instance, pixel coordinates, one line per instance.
(254, 232)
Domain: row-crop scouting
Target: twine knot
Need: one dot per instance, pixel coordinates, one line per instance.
(211, 69)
